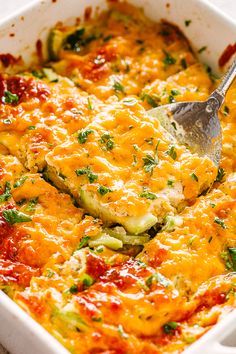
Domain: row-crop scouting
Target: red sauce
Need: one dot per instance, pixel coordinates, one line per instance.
(11, 268)
(229, 51)
(8, 59)
(87, 13)
(126, 275)
(95, 67)
(96, 266)
(24, 88)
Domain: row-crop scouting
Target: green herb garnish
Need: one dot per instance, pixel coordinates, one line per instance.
(171, 152)
(92, 177)
(14, 216)
(220, 174)
(10, 98)
(118, 87)
(151, 100)
(104, 190)
(122, 332)
(90, 106)
(168, 60)
(87, 280)
(83, 242)
(129, 101)
(149, 163)
(194, 177)
(170, 327)
(148, 195)
(20, 181)
(32, 204)
(83, 135)
(183, 63)
(73, 289)
(201, 50)
(7, 194)
(226, 111)
(220, 222)
(7, 121)
(187, 22)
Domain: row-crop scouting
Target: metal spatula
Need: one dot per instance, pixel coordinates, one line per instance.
(196, 124)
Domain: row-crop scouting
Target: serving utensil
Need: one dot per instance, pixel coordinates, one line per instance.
(196, 124)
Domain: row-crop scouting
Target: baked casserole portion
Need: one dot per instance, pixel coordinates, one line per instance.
(113, 236)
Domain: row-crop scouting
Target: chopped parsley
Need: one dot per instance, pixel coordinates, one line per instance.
(226, 111)
(183, 63)
(7, 194)
(7, 121)
(171, 152)
(220, 174)
(38, 73)
(92, 177)
(31, 127)
(170, 327)
(172, 95)
(212, 204)
(194, 177)
(148, 195)
(73, 289)
(129, 101)
(20, 181)
(14, 216)
(118, 87)
(229, 256)
(150, 99)
(107, 38)
(122, 332)
(168, 60)
(135, 146)
(10, 97)
(170, 183)
(220, 222)
(77, 40)
(83, 242)
(201, 50)
(159, 278)
(149, 163)
(90, 106)
(187, 22)
(83, 135)
(32, 204)
(107, 140)
(104, 190)
(87, 280)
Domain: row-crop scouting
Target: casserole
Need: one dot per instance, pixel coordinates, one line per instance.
(149, 7)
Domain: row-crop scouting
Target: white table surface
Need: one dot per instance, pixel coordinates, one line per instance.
(6, 7)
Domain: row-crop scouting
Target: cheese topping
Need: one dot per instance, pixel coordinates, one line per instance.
(148, 265)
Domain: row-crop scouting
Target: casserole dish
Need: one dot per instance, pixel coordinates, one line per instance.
(47, 14)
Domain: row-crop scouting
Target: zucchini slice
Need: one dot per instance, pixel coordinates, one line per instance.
(133, 224)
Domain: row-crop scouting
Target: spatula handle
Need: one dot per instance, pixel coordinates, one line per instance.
(227, 79)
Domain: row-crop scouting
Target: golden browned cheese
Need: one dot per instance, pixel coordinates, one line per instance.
(147, 266)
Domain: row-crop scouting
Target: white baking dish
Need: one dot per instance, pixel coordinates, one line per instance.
(18, 35)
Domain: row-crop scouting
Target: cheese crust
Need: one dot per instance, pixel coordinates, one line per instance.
(114, 236)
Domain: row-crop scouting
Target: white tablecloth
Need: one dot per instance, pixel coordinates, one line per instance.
(6, 7)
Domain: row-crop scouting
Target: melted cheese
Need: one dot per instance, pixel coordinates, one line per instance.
(90, 116)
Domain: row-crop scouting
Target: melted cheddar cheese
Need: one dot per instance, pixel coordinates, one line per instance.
(114, 236)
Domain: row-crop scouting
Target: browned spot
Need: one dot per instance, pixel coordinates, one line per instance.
(168, 5)
(39, 50)
(229, 51)
(8, 59)
(87, 13)
(12, 35)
